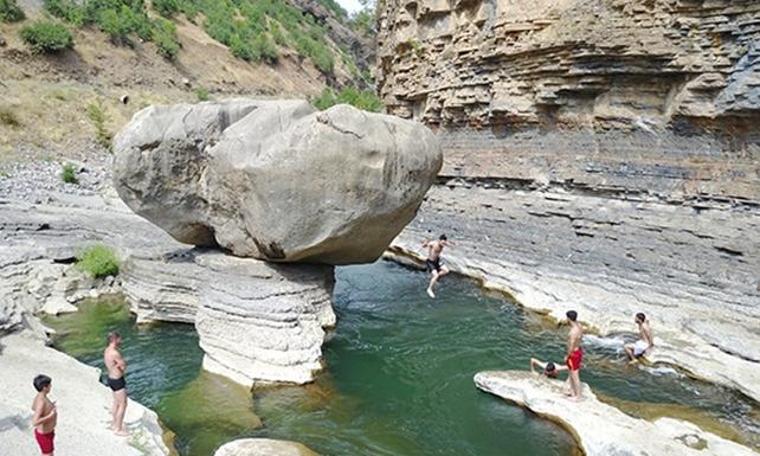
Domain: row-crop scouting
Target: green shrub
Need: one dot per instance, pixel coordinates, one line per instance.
(264, 49)
(277, 35)
(241, 48)
(69, 174)
(166, 8)
(362, 99)
(165, 37)
(202, 94)
(116, 26)
(47, 37)
(10, 11)
(9, 118)
(98, 117)
(98, 261)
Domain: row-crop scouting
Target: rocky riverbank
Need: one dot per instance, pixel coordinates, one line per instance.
(599, 428)
(83, 405)
(40, 241)
(690, 266)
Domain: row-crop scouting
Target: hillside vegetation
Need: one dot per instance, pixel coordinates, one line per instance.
(254, 30)
(62, 57)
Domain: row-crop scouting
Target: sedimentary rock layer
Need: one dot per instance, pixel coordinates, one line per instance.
(257, 322)
(272, 316)
(659, 96)
(692, 269)
(601, 429)
(83, 405)
(276, 180)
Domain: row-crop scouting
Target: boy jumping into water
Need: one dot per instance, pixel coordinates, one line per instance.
(45, 415)
(433, 261)
(574, 356)
(644, 345)
(116, 367)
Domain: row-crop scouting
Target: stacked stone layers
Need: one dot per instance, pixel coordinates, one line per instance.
(272, 316)
(257, 322)
(656, 96)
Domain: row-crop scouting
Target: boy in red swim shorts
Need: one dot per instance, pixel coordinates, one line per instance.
(45, 415)
(574, 357)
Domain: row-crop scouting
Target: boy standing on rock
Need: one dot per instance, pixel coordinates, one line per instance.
(45, 415)
(574, 356)
(116, 367)
(433, 261)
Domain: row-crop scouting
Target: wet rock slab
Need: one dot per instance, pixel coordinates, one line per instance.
(263, 447)
(599, 428)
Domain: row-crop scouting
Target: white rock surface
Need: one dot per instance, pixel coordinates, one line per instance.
(263, 447)
(276, 180)
(83, 406)
(601, 429)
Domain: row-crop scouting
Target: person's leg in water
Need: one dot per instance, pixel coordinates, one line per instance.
(628, 350)
(120, 409)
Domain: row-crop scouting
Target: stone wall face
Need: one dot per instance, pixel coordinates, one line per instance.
(656, 95)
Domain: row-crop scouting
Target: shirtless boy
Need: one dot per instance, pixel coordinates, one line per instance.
(433, 261)
(644, 345)
(116, 367)
(45, 415)
(548, 369)
(574, 356)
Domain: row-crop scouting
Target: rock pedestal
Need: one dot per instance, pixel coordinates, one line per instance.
(257, 321)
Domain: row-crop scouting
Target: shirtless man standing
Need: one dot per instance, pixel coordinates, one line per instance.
(45, 415)
(433, 261)
(574, 356)
(116, 367)
(644, 345)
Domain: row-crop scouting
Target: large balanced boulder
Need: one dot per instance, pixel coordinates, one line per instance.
(276, 180)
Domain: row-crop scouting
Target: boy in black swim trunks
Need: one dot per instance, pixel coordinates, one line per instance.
(116, 367)
(433, 262)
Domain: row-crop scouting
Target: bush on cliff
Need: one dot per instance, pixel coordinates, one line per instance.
(165, 37)
(69, 174)
(47, 37)
(362, 99)
(10, 11)
(98, 261)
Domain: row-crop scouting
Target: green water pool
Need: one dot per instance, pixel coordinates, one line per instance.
(398, 378)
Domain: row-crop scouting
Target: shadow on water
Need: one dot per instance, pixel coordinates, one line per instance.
(399, 376)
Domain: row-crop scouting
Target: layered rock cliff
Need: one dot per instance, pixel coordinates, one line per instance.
(659, 95)
(602, 155)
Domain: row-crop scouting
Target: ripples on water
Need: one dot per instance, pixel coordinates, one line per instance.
(399, 377)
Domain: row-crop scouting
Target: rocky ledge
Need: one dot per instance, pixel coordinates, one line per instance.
(263, 447)
(599, 428)
(83, 406)
(270, 319)
(691, 267)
